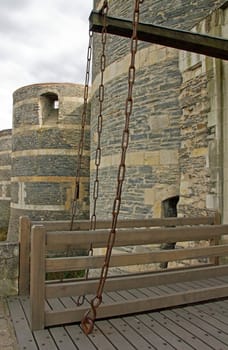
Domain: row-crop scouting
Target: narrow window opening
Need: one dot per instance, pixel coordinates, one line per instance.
(49, 108)
(169, 207)
(56, 104)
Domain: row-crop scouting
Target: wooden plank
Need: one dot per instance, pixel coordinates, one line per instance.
(37, 277)
(134, 281)
(82, 341)
(167, 339)
(114, 335)
(132, 336)
(68, 302)
(90, 262)
(101, 340)
(215, 241)
(62, 339)
(55, 304)
(25, 303)
(124, 237)
(221, 328)
(24, 257)
(150, 334)
(216, 340)
(163, 324)
(44, 340)
(21, 327)
(216, 310)
(185, 323)
(138, 305)
(176, 38)
(126, 223)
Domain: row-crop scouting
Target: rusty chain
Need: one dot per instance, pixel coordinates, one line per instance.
(88, 320)
(104, 11)
(82, 134)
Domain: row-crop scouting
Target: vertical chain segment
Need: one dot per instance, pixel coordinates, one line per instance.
(88, 320)
(82, 134)
(104, 11)
(101, 91)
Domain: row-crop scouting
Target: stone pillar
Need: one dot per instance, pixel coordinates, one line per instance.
(46, 132)
(5, 174)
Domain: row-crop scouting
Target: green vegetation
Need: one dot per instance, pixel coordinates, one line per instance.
(50, 276)
(3, 233)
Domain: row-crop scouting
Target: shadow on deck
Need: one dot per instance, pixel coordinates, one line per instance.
(199, 326)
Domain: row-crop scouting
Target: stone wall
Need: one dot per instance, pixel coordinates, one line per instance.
(176, 132)
(46, 133)
(201, 154)
(9, 262)
(223, 69)
(5, 174)
(155, 167)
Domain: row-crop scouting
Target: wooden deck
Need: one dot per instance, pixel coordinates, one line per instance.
(198, 326)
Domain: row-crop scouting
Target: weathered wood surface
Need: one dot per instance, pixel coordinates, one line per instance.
(37, 290)
(26, 224)
(176, 38)
(201, 326)
(124, 282)
(135, 236)
(91, 262)
(24, 257)
(62, 311)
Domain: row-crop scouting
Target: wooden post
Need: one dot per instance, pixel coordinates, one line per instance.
(37, 277)
(179, 39)
(24, 256)
(215, 241)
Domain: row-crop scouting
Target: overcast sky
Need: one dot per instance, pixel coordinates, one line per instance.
(40, 41)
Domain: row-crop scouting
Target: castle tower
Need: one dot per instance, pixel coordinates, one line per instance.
(46, 132)
(153, 172)
(5, 174)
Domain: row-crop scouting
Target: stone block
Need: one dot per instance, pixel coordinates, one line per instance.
(168, 157)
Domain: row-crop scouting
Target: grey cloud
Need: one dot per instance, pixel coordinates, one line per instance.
(35, 48)
(78, 8)
(59, 68)
(13, 4)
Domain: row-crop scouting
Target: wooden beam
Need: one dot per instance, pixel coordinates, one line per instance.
(178, 39)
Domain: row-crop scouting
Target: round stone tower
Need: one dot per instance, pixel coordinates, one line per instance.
(153, 172)
(5, 174)
(46, 132)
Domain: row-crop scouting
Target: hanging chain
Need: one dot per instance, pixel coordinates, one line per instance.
(104, 12)
(82, 135)
(87, 323)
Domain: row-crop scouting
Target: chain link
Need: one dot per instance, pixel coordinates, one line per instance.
(87, 323)
(82, 134)
(101, 90)
(93, 220)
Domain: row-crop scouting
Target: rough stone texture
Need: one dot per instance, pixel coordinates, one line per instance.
(5, 173)
(9, 253)
(157, 124)
(44, 153)
(175, 131)
(201, 128)
(194, 146)
(184, 14)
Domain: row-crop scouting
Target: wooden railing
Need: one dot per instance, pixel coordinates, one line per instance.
(53, 237)
(25, 225)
